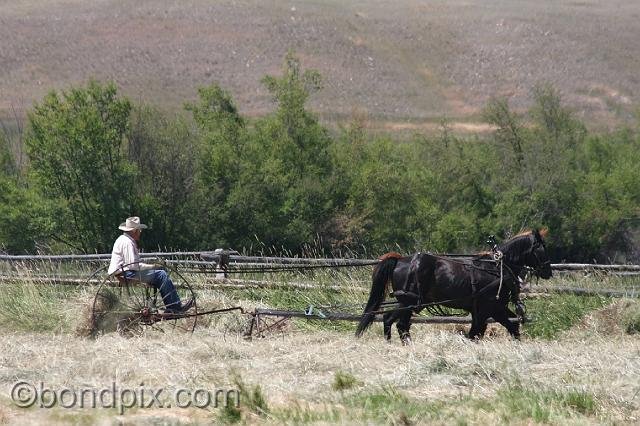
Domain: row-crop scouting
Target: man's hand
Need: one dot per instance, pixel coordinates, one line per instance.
(159, 264)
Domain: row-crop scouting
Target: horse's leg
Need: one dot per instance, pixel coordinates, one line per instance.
(479, 317)
(404, 323)
(482, 329)
(388, 319)
(501, 314)
(481, 326)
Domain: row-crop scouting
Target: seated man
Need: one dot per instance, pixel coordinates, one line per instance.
(125, 260)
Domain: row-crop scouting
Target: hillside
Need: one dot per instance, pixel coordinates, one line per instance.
(404, 64)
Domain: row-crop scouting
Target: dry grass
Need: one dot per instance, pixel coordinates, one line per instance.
(310, 373)
(610, 320)
(299, 369)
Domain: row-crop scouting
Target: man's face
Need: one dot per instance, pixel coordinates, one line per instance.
(136, 234)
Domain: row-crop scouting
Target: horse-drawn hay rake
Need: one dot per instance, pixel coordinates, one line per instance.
(130, 306)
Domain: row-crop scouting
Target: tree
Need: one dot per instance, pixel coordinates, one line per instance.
(164, 150)
(7, 164)
(222, 134)
(76, 146)
(554, 120)
(289, 169)
(509, 129)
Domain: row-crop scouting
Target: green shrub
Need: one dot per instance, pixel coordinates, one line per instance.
(76, 146)
(559, 312)
(285, 179)
(252, 396)
(343, 381)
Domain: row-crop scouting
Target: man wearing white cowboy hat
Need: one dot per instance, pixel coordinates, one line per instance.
(125, 261)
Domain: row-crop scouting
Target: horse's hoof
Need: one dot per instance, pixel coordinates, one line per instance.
(406, 341)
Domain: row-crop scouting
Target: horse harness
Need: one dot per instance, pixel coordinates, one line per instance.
(411, 281)
(497, 257)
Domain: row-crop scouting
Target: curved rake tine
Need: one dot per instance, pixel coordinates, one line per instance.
(181, 323)
(124, 303)
(132, 308)
(120, 312)
(127, 325)
(137, 297)
(155, 327)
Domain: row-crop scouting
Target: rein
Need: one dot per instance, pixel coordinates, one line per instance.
(412, 307)
(469, 264)
(207, 268)
(497, 258)
(425, 305)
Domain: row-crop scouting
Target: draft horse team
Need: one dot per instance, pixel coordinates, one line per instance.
(483, 285)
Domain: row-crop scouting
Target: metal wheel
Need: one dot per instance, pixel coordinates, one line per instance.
(131, 307)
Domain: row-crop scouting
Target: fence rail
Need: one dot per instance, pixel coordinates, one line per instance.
(212, 258)
(244, 284)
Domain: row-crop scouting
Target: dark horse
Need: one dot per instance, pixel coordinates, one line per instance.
(424, 280)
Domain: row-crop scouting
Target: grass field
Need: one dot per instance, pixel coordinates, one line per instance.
(578, 363)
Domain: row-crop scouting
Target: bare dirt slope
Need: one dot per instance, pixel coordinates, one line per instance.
(410, 60)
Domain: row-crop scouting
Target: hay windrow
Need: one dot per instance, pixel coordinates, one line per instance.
(616, 319)
(94, 317)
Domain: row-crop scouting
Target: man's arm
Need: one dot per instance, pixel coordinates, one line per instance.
(147, 266)
(132, 259)
(130, 255)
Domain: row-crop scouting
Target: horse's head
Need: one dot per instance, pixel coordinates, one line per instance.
(528, 249)
(541, 263)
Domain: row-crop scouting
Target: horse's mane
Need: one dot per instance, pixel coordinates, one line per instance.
(524, 233)
(489, 253)
(543, 233)
(521, 234)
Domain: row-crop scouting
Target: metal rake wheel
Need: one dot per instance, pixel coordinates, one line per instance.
(131, 307)
(261, 326)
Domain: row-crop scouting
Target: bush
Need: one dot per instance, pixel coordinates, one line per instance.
(343, 381)
(34, 307)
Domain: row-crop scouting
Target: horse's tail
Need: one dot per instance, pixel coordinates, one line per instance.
(381, 276)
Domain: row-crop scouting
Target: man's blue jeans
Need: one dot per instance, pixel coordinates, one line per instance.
(159, 279)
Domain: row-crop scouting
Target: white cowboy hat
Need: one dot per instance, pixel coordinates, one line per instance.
(132, 223)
